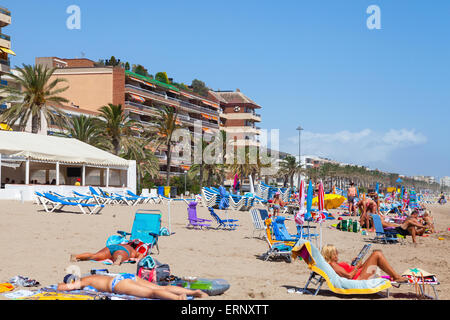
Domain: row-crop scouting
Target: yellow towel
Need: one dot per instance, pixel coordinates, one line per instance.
(4, 287)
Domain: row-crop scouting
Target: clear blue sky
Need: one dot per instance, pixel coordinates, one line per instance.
(373, 97)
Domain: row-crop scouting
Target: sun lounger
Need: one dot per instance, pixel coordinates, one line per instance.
(236, 202)
(228, 224)
(146, 228)
(322, 272)
(193, 221)
(54, 203)
(79, 199)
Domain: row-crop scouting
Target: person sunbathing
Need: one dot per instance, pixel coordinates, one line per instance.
(128, 284)
(411, 226)
(118, 253)
(362, 270)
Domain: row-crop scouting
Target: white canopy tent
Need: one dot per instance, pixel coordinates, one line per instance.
(45, 151)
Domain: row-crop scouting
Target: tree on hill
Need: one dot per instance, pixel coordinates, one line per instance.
(199, 87)
(162, 77)
(112, 62)
(140, 69)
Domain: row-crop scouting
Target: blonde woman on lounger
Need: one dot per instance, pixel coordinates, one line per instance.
(129, 284)
(362, 270)
(118, 253)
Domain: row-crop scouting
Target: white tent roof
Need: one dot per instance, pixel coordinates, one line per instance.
(50, 148)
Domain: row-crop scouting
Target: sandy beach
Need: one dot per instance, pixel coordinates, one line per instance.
(37, 245)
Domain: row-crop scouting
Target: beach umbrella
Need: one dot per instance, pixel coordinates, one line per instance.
(320, 216)
(377, 188)
(300, 216)
(332, 201)
(236, 178)
(252, 188)
(309, 199)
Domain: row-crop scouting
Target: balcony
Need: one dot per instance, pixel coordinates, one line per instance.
(243, 129)
(242, 116)
(183, 118)
(5, 41)
(4, 66)
(172, 101)
(5, 17)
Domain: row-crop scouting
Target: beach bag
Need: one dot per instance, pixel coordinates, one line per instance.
(153, 271)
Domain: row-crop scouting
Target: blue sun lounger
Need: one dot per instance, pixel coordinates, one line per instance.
(53, 203)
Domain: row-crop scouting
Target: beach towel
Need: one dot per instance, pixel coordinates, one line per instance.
(19, 294)
(316, 263)
(5, 287)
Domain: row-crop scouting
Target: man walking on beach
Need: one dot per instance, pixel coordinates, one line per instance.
(351, 194)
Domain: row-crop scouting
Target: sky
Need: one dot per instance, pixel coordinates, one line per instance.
(373, 97)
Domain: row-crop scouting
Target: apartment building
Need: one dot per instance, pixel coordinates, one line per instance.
(238, 117)
(5, 50)
(91, 87)
(445, 181)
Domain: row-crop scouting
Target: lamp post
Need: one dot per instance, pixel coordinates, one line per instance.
(185, 172)
(299, 128)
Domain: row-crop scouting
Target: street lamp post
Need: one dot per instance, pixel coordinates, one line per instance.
(299, 153)
(185, 172)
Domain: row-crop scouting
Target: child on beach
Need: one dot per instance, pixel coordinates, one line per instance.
(427, 221)
(128, 284)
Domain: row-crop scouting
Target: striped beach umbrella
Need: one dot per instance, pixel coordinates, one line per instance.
(320, 216)
(300, 216)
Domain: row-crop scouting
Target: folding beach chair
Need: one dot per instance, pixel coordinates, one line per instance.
(322, 272)
(277, 249)
(280, 231)
(382, 235)
(258, 222)
(228, 224)
(53, 203)
(193, 221)
(264, 214)
(146, 228)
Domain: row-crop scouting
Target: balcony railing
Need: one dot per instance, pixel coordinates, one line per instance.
(182, 103)
(5, 37)
(4, 11)
(180, 116)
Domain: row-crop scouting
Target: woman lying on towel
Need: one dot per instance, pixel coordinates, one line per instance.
(118, 253)
(128, 284)
(362, 270)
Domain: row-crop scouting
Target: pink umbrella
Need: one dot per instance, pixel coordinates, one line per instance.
(320, 216)
(235, 181)
(300, 216)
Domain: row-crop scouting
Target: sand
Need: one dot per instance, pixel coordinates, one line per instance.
(38, 244)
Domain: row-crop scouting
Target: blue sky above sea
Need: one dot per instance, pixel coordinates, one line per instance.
(373, 97)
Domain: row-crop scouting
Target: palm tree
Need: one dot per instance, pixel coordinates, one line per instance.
(37, 95)
(289, 167)
(88, 130)
(166, 124)
(118, 128)
(147, 163)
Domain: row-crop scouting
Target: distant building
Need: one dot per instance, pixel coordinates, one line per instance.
(238, 117)
(5, 50)
(445, 181)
